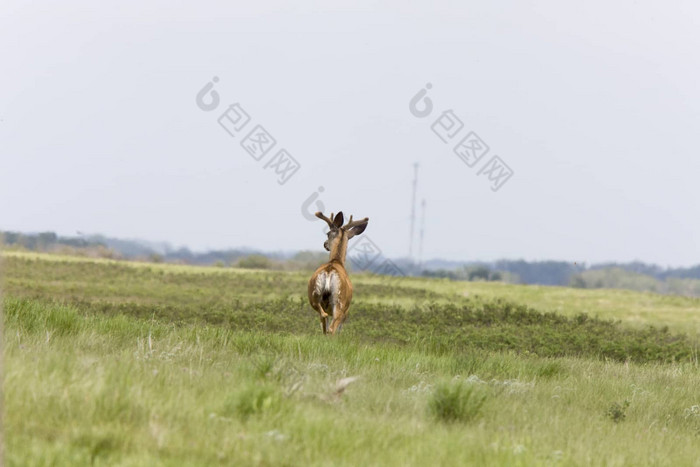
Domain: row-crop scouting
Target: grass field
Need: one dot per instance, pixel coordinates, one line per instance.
(115, 363)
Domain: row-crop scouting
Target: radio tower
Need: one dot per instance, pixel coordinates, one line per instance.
(422, 231)
(413, 210)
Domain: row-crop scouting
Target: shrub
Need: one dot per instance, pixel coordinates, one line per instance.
(254, 401)
(616, 412)
(254, 262)
(456, 402)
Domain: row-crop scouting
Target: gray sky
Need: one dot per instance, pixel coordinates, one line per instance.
(594, 106)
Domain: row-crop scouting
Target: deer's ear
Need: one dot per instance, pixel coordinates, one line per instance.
(338, 220)
(357, 229)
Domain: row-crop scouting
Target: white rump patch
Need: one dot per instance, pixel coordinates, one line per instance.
(328, 283)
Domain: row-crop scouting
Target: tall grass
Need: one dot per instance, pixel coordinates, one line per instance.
(456, 402)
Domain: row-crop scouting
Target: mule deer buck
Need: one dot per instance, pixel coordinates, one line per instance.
(330, 289)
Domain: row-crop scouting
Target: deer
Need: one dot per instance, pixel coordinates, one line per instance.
(330, 289)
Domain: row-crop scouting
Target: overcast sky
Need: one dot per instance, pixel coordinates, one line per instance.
(594, 107)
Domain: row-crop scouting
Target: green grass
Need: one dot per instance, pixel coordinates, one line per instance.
(111, 363)
(637, 309)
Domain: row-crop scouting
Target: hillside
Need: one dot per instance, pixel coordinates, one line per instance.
(630, 276)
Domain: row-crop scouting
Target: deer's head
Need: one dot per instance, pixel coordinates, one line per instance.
(339, 234)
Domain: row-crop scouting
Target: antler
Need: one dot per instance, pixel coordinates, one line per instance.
(320, 215)
(352, 223)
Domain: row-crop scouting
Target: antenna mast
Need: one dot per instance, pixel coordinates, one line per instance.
(413, 210)
(422, 231)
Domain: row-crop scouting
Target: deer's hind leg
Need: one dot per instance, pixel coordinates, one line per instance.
(339, 316)
(323, 315)
(324, 325)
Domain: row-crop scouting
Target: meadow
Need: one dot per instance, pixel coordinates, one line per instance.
(119, 363)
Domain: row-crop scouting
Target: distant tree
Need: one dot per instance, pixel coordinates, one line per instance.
(46, 238)
(254, 262)
(10, 238)
(540, 272)
(479, 273)
(440, 273)
(577, 282)
(683, 273)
